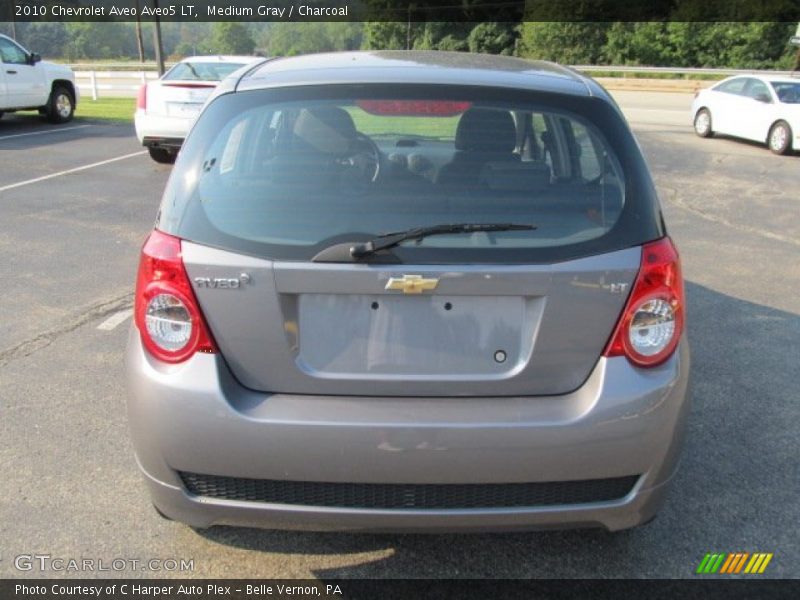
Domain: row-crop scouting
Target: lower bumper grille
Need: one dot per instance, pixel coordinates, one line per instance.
(406, 495)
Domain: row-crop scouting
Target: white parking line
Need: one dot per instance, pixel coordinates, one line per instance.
(59, 130)
(68, 171)
(116, 319)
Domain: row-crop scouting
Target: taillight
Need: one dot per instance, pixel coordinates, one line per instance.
(167, 315)
(651, 324)
(141, 98)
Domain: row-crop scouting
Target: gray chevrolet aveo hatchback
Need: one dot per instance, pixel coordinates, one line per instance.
(409, 291)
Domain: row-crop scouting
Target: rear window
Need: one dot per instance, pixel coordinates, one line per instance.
(286, 178)
(201, 71)
(734, 86)
(787, 91)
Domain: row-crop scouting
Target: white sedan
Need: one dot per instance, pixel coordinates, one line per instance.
(761, 108)
(167, 108)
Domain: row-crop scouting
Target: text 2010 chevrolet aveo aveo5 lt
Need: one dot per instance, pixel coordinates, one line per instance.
(409, 291)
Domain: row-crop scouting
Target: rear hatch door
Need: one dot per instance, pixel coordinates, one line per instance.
(311, 328)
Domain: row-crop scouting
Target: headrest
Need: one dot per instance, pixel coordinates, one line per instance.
(329, 129)
(486, 130)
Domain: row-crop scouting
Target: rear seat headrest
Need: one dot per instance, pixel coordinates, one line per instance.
(329, 129)
(487, 131)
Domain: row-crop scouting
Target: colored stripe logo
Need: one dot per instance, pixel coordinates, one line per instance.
(732, 563)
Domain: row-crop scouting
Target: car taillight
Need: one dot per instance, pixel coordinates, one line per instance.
(141, 98)
(167, 314)
(651, 324)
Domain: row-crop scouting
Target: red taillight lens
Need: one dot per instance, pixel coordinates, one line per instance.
(167, 315)
(651, 324)
(141, 98)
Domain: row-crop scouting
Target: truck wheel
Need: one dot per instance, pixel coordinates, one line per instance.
(160, 155)
(61, 105)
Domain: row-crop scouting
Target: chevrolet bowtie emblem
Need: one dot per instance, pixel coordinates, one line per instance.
(411, 284)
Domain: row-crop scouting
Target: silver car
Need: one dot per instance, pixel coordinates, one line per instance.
(409, 291)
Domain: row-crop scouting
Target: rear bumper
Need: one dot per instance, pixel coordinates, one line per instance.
(196, 418)
(159, 131)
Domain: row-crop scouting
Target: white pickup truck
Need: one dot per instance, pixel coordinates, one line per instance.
(29, 83)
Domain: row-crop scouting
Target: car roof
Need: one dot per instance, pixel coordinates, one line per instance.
(220, 58)
(763, 77)
(418, 67)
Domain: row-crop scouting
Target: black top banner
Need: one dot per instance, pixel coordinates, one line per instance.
(400, 10)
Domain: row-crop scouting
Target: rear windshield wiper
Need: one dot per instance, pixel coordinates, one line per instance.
(390, 240)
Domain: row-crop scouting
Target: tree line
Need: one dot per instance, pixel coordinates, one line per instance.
(673, 43)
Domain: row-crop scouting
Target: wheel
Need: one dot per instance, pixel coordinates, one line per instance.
(780, 138)
(60, 107)
(702, 123)
(163, 156)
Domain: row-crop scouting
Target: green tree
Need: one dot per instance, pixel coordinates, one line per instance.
(493, 38)
(47, 39)
(229, 37)
(289, 39)
(99, 40)
(639, 44)
(440, 35)
(564, 42)
(385, 36)
(453, 44)
(745, 45)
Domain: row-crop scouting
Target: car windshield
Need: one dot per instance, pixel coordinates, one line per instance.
(286, 179)
(788, 92)
(201, 71)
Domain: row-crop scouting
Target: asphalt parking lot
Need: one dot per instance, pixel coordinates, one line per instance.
(76, 203)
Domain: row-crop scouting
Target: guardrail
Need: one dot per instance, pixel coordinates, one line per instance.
(126, 82)
(121, 83)
(681, 70)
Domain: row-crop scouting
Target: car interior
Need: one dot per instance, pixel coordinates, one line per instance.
(300, 174)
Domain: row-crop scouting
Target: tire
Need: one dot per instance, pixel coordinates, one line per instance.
(702, 123)
(779, 139)
(160, 155)
(60, 107)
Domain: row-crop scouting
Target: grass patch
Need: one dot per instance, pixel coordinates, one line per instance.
(443, 128)
(113, 110)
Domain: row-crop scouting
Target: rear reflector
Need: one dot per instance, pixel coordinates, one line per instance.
(141, 98)
(414, 108)
(651, 324)
(166, 311)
